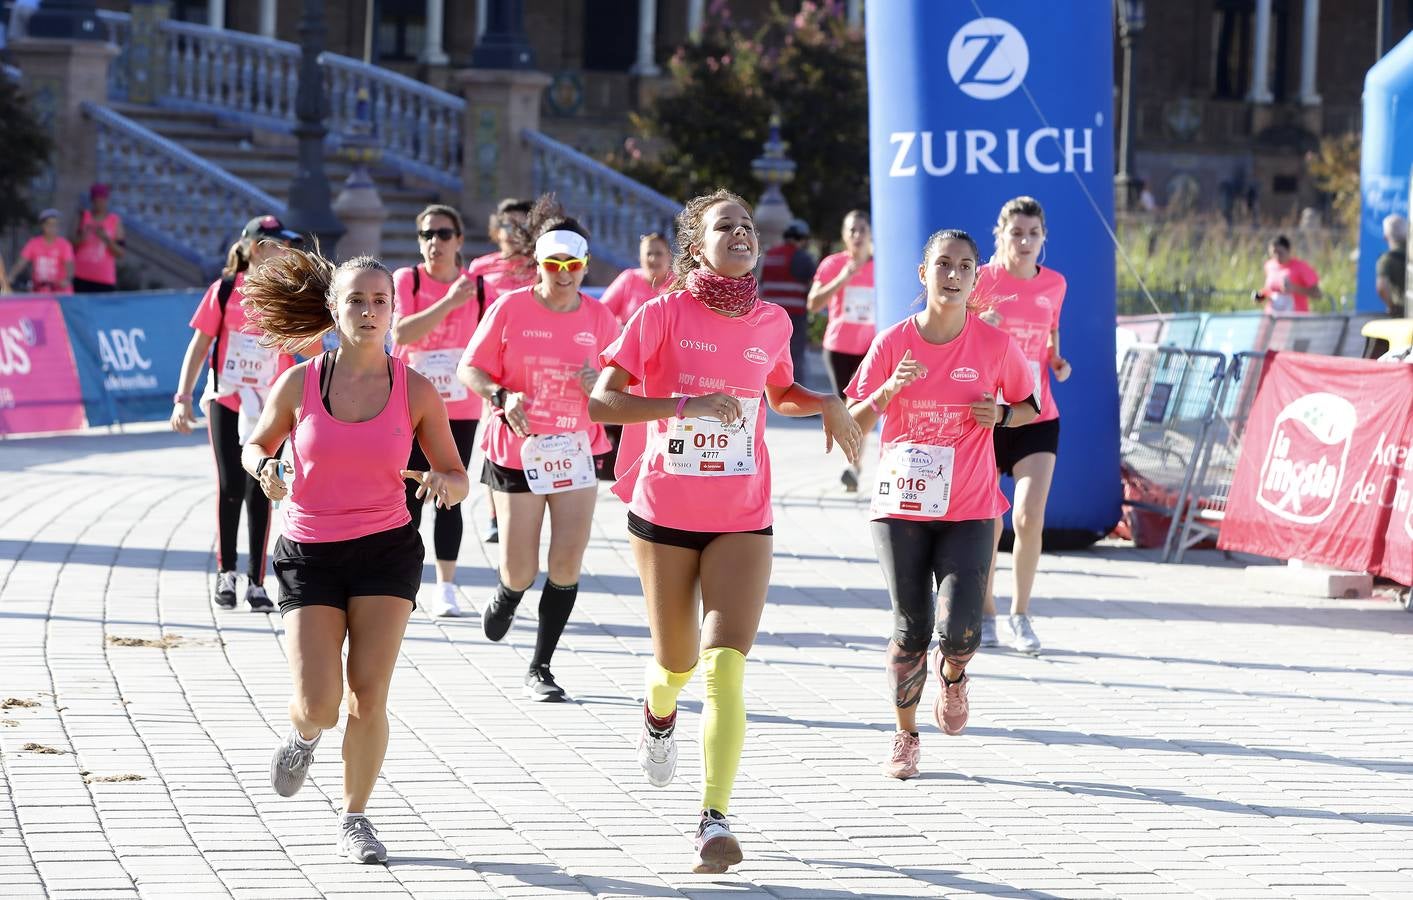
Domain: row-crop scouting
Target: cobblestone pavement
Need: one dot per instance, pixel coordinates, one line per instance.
(1181, 735)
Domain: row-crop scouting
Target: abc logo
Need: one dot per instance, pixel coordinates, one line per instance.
(988, 58)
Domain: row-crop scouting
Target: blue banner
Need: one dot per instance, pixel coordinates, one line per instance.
(973, 103)
(1384, 161)
(129, 349)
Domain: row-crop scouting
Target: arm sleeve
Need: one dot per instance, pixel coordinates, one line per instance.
(1015, 376)
(66, 250)
(875, 369)
(1057, 302)
(29, 251)
(827, 269)
(487, 348)
(639, 342)
(207, 318)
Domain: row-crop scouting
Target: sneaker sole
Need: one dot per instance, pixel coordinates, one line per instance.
(717, 855)
(262, 609)
(544, 698)
(367, 859)
(900, 774)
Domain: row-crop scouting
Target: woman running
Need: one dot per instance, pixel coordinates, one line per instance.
(934, 380)
(436, 311)
(844, 283)
(99, 243)
(1014, 292)
(634, 287)
(242, 371)
(349, 561)
(699, 501)
(533, 358)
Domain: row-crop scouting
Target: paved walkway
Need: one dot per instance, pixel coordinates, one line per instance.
(1180, 736)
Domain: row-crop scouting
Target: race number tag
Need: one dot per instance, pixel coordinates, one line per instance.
(914, 480)
(555, 463)
(439, 367)
(858, 305)
(706, 447)
(247, 362)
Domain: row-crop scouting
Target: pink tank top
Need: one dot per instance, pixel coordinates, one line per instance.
(347, 475)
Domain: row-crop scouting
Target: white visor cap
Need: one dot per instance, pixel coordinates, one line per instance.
(553, 242)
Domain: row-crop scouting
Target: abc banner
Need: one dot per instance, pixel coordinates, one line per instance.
(39, 388)
(974, 102)
(1321, 474)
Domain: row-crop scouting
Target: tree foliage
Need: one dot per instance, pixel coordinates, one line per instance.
(1334, 168)
(25, 147)
(708, 127)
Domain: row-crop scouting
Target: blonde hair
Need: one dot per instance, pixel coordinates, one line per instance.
(288, 297)
(691, 229)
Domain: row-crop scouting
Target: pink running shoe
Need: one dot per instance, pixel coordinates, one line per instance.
(951, 707)
(907, 750)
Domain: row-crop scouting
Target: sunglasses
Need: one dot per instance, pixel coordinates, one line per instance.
(563, 265)
(441, 234)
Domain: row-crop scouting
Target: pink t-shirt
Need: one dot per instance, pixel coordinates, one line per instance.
(249, 363)
(503, 275)
(93, 261)
(1029, 309)
(1301, 274)
(934, 410)
(529, 349)
(436, 355)
(48, 262)
(675, 346)
(629, 291)
(852, 311)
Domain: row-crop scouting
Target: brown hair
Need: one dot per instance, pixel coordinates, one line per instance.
(1017, 206)
(237, 259)
(439, 209)
(655, 236)
(691, 229)
(508, 205)
(288, 297)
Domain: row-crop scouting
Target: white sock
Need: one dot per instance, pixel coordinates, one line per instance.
(350, 816)
(309, 743)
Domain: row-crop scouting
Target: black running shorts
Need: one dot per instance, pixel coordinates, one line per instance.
(327, 573)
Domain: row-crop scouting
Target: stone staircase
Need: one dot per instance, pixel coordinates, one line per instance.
(268, 161)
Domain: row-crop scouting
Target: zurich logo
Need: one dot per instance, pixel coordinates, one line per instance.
(988, 58)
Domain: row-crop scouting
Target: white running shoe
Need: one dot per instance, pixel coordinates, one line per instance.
(988, 632)
(717, 848)
(444, 603)
(1022, 635)
(358, 841)
(657, 751)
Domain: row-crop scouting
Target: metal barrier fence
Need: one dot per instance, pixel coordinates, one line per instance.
(1337, 334)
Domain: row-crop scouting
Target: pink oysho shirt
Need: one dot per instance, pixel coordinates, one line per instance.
(852, 312)
(436, 354)
(934, 410)
(348, 475)
(237, 343)
(528, 348)
(675, 346)
(1301, 275)
(48, 262)
(630, 290)
(93, 261)
(1029, 309)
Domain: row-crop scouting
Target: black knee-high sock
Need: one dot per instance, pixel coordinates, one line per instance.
(556, 603)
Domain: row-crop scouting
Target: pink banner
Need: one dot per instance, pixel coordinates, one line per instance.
(39, 384)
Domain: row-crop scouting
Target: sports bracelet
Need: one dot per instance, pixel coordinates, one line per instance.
(1006, 416)
(682, 404)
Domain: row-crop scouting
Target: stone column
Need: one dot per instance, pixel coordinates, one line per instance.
(360, 208)
(268, 20)
(146, 56)
(1309, 51)
(216, 13)
(432, 52)
(500, 105)
(1261, 55)
(647, 37)
(60, 75)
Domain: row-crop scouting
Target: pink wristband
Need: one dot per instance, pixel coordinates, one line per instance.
(681, 405)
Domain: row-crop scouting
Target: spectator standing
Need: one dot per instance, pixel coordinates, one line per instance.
(786, 272)
(98, 244)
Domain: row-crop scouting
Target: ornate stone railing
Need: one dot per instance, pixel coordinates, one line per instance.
(615, 208)
(192, 208)
(118, 26)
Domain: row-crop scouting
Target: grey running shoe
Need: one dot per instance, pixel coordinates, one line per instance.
(258, 600)
(291, 763)
(717, 847)
(657, 751)
(225, 596)
(540, 685)
(988, 632)
(498, 617)
(1022, 635)
(358, 841)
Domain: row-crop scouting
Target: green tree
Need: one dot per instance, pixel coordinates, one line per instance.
(710, 124)
(25, 147)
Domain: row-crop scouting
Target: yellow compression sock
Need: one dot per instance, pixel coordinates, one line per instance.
(662, 688)
(723, 724)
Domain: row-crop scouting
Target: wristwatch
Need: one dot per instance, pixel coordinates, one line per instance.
(498, 398)
(1006, 416)
(260, 467)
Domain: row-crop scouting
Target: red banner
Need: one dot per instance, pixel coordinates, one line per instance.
(1321, 473)
(39, 384)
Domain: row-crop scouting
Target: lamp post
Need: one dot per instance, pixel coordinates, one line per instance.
(504, 44)
(772, 169)
(1130, 14)
(73, 20)
(310, 210)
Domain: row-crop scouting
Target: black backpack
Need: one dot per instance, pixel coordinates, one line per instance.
(223, 296)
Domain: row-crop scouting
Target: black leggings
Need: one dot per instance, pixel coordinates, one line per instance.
(954, 556)
(446, 529)
(842, 367)
(234, 487)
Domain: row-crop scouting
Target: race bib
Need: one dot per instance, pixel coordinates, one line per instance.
(247, 362)
(555, 463)
(705, 447)
(439, 367)
(1282, 303)
(858, 305)
(555, 403)
(914, 480)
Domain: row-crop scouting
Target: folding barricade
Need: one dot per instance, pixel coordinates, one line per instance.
(1303, 333)
(1202, 502)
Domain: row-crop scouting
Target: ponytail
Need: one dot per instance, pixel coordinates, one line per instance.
(288, 298)
(237, 259)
